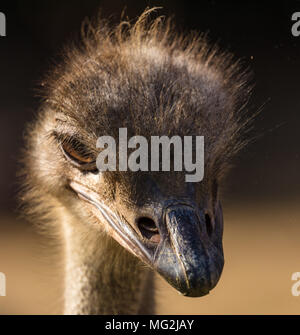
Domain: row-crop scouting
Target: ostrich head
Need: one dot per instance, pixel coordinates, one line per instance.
(154, 83)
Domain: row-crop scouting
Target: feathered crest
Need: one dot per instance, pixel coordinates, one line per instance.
(150, 79)
(154, 81)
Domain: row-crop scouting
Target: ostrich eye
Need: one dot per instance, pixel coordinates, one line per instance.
(78, 154)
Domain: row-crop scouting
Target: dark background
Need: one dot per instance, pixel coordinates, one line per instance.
(257, 31)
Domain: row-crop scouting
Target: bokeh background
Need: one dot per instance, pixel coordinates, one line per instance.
(261, 198)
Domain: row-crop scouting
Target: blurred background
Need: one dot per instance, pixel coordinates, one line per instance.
(261, 198)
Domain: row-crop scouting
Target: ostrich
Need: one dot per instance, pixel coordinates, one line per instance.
(118, 228)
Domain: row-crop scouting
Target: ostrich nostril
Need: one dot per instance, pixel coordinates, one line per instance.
(209, 224)
(148, 229)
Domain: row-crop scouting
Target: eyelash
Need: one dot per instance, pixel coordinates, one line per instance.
(67, 145)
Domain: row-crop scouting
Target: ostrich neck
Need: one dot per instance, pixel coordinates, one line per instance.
(101, 277)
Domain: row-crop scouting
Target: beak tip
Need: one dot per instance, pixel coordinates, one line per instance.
(196, 292)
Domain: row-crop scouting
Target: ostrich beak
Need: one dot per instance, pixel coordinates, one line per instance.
(184, 255)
